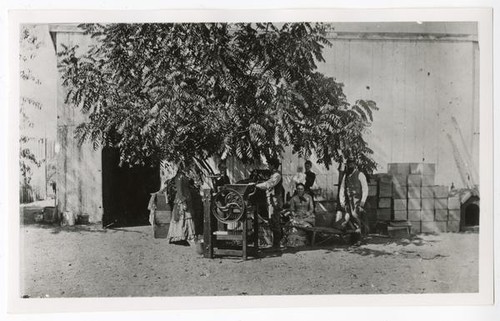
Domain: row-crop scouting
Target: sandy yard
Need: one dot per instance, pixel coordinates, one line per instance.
(88, 261)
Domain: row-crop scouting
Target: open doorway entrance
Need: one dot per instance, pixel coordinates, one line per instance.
(470, 214)
(126, 191)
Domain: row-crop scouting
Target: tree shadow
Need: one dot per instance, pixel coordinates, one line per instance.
(338, 244)
(80, 229)
(417, 240)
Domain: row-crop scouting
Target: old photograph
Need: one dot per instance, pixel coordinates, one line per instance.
(249, 159)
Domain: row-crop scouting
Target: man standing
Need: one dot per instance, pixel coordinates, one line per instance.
(310, 177)
(352, 197)
(274, 194)
(222, 179)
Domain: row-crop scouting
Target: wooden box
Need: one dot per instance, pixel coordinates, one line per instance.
(384, 202)
(414, 215)
(384, 214)
(398, 168)
(453, 226)
(401, 180)
(454, 215)
(414, 192)
(415, 180)
(400, 205)
(454, 203)
(427, 215)
(441, 203)
(423, 168)
(399, 192)
(428, 203)
(400, 215)
(414, 204)
(440, 191)
(427, 192)
(428, 180)
(441, 215)
(385, 189)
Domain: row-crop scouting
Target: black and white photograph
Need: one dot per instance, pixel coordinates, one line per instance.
(258, 158)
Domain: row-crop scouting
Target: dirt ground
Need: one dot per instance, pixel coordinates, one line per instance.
(88, 261)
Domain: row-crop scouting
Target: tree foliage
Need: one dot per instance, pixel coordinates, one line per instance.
(29, 43)
(185, 92)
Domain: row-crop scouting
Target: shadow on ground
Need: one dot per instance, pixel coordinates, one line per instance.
(338, 245)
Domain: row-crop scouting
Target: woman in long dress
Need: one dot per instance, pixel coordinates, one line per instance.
(302, 215)
(182, 226)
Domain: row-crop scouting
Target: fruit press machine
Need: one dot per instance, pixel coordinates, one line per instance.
(231, 224)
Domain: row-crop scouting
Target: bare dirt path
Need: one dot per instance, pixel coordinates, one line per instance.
(87, 261)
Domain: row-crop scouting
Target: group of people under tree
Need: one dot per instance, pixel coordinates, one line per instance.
(298, 210)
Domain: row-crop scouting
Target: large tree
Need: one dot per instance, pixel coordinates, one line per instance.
(185, 92)
(29, 43)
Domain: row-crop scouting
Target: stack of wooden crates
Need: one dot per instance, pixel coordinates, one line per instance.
(407, 192)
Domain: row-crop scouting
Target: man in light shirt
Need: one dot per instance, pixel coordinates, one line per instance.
(274, 192)
(352, 197)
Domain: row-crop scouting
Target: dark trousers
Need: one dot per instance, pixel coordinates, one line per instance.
(359, 222)
(274, 209)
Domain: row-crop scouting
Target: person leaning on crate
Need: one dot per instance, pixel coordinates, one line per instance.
(352, 197)
(274, 194)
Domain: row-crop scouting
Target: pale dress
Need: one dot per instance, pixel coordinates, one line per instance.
(182, 225)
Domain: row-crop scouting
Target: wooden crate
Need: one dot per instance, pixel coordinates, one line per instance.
(427, 215)
(414, 192)
(441, 203)
(428, 180)
(441, 215)
(454, 215)
(428, 203)
(384, 214)
(414, 215)
(384, 202)
(401, 180)
(400, 205)
(440, 191)
(423, 168)
(399, 192)
(454, 203)
(453, 226)
(400, 215)
(415, 180)
(427, 192)
(398, 168)
(385, 189)
(414, 204)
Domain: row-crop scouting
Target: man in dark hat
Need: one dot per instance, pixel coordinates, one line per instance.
(352, 196)
(310, 177)
(222, 179)
(274, 192)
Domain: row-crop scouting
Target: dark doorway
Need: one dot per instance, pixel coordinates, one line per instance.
(472, 215)
(126, 190)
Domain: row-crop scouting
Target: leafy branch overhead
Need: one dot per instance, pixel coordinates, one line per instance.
(29, 43)
(183, 92)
